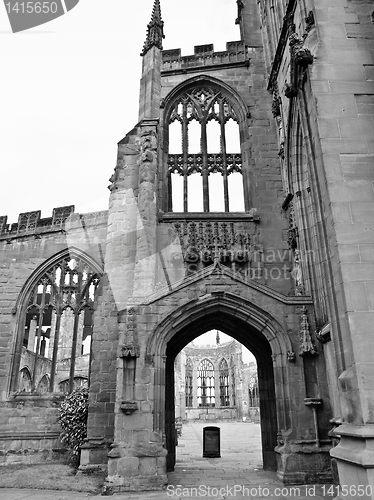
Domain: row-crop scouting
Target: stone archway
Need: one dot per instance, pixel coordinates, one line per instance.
(250, 326)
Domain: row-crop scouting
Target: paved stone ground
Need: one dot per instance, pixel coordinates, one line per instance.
(237, 474)
(240, 455)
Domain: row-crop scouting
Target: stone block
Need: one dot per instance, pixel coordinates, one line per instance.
(128, 466)
(328, 127)
(344, 146)
(336, 106)
(351, 192)
(147, 466)
(349, 253)
(361, 271)
(356, 296)
(360, 128)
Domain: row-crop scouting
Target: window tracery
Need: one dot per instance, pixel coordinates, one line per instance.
(208, 128)
(205, 384)
(57, 327)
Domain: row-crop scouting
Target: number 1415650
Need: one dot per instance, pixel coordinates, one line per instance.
(32, 7)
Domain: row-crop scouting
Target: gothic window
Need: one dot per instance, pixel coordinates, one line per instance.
(57, 327)
(205, 384)
(204, 160)
(78, 382)
(253, 395)
(224, 383)
(189, 385)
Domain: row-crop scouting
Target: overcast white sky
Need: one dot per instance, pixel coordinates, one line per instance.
(209, 338)
(69, 93)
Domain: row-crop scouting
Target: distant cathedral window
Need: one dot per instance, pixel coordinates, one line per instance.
(189, 385)
(204, 161)
(205, 384)
(57, 326)
(224, 383)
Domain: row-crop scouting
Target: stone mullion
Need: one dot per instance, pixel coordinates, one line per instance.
(55, 349)
(57, 326)
(80, 332)
(194, 387)
(52, 333)
(75, 333)
(217, 392)
(224, 158)
(40, 324)
(205, 172)
(185, 155)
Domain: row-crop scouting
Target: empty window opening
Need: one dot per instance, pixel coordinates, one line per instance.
(204, 138)
(58, 324)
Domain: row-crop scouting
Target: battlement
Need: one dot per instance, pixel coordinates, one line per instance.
(204, 55)
(32, 223)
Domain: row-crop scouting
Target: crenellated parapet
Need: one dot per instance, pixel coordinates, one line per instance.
(204, 56)
(62, 218)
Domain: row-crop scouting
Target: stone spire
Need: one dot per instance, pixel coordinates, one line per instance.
(155, 30)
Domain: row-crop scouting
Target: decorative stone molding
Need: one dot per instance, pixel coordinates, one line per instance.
(306, 344)
(130, 346)
(128, 407)
(309, 21)
(155, 30)
(130, 351)
(291, 356)
(290, 90)
(314, 403)
(324, 334)
(60, 214)
(240, 5)
(209, 241)
(275, 107)
(235, 55)
(28, 221)
(292, 232)
(301, 57)
(299, 54)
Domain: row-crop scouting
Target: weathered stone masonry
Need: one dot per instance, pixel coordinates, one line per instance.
(290, 276)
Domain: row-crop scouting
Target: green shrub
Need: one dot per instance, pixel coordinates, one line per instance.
(73, 419)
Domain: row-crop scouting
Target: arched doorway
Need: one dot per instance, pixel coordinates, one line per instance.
(253, 328)
(216, 385)
(260, 347)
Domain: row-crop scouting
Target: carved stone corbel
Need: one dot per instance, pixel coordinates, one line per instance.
(301, 57)
(306, 344)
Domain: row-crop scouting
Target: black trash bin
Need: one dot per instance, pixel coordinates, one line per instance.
(211, 442)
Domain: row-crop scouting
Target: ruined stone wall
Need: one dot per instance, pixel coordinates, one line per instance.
(231, 352)
(29, 430)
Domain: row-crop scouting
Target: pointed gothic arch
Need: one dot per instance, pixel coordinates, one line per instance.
(257, 330)
(68, 281)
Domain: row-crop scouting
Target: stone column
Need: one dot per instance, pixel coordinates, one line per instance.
(32, 334)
